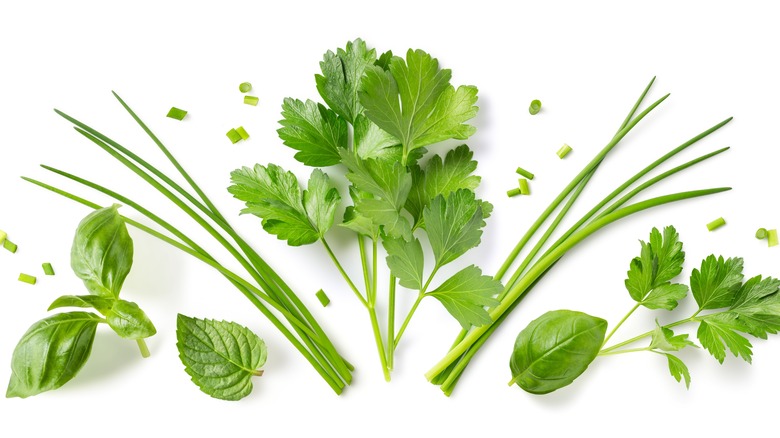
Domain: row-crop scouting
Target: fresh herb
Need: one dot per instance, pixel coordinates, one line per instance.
(220, 356)
(233, 136)
(563, 151)
(561, 344)
(513, 192)
(324, 300)
(524, 173)
(55, 348)
(717, 223)
(176, 113)
(396, 107)
(251, 100)
(771, 237)
(761, 233)
(523, 186)
(242, 132)
(26, 278)
(543, 256)
(3, 236)
(535, 107)
(10, 246)
(48, 269)
(245, 87)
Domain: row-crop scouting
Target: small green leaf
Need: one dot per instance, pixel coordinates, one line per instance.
(466, 294)
(102, 252)
(757, 304)
(318, 133)
(664, 339)
(359, 223)
(555, 349)
(665, 296)
(453, 225)
(220, 356)
(341, 74)
(405, 260)
(100, 304)
(129, 321)
(371, 142)
(648, 279)
(720, 331)
(385, 180)
(716, 284)
(51, 352)
(320, 200)
(383, 213)
(678, 369)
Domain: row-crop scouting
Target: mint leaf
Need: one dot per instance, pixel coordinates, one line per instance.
(406, 262)
(341, 74)
(220, 356)
(454, 225)
(678, 369)
(716, 284)
(314, 130)
(466, 294)
(648, 279)
(664, 339)
(720, 331)
(415, 102)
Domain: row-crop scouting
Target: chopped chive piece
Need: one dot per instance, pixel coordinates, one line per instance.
(536, 106)
(771, 236)
(176, 113)
(251, 100)
(234, 136)
(523, 183)
(29, 279)
(514, 192)
(47, 269)
(10, 246)
(324, 300)
(245, 87)
(563, 151)
(761, 233)
(525, 173)
(717, 223)
(242, 132)
(3, 236)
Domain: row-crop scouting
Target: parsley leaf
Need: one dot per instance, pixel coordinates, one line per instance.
(466, 294)
(314, 130)
(678, 369)
(405, 260)
(372, 142)
(757, 305)
(648, 279)
(720, 330)
(454, 225)
(300, 217)
(664, 339)
(665, 296)
(715, 285)
(341, 73)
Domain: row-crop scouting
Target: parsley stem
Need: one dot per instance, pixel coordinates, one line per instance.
(409, 315)
(628, 350)
(612, 332)
(379, 343)
(390, 349)
(345, 275)
(645, 335)
(363, 263)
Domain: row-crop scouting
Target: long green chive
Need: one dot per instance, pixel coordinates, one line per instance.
(10, 246)
(234, 136)
(522, 172)
(535, 107)
(761, 233)
(245, 87)
(513, 192)
(47, 269)
(324, 300)
(251, 100)
(563, 151)
(771, 237)
(242, 132)
(176, 113)
(717, 223)
(25, 278)
(523, 183)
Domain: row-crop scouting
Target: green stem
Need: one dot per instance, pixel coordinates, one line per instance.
(390, 349)
(409, 315)
(630, 312)
(379, 344)
(143, 347)
(364, 263)
(647, 334)
(630, 350)
(344, 274)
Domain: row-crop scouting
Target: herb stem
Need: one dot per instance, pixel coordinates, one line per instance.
(646, 334)
(612, 332)
(409, 315)
(143, 347)
(345, 275)
(629, 350)
(390, 349)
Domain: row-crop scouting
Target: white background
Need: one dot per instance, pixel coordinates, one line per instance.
(586, 61)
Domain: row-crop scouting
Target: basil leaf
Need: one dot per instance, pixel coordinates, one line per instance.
(102, 252)
(51, 352)
(220, 356)
(555, 349)
(129, 321)
(100, 304)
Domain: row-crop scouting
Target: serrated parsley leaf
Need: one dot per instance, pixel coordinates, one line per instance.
(359, 223)
(678, 369)
(665, 296)
(406, 262)
(720, 331)
(340, 79)
(659, 261)
(466, 294)
(317, 132)
(298, 216)
(454, 225)
(757, 306)
(372, 142)
(664, 339)
(715, 285)
(220, 356)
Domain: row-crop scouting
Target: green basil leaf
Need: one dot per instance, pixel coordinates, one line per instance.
(51, 352)
(102, 252)
(220, 356)
(555, 349)
(101, 304)
(129, 321)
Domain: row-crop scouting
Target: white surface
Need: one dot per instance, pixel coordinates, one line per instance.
(586, 61)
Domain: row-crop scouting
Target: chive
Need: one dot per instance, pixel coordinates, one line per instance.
(563, 151)
(523, 183)
(514, 192)
(234, 136)
(29, 279)
(242, 132)
(324, 300)
(251, 100)
(525, 173)
(245, 87)
(772, 237)
(536, 106)
(47, 269)
(176, 113)
(717, 223)
(761, 233)
(10, 246)
(3, 236)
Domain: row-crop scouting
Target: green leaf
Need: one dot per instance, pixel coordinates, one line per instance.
(383, 213)
(372, 142)
(102, 252)
(453, 225)
(466, 294)
(678, 369)
(51, 352)
(359, 223)
(665, 296)
(720, 331)
(220, 356)
(664, 339)
(129, 321)
(555, 349)
(315, 131)
(716, 284)
(757, 306)
(405, 260)
(415, 102)
(648, 279)
(300, 217)
(101, 304)
(340, 79)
